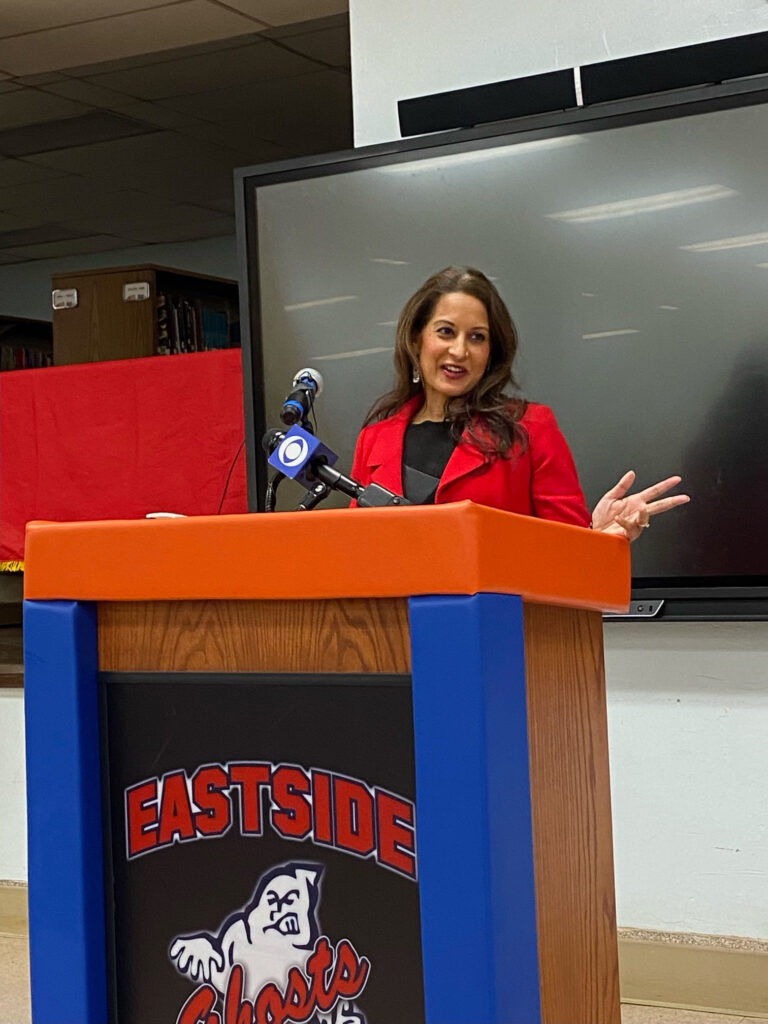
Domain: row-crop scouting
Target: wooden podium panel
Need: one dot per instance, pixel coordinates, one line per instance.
(352, 635)
(572, 836)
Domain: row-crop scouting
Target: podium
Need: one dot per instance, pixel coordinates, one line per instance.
(345, 767)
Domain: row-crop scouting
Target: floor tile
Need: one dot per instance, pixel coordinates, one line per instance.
(14, 980)
(634, 1014)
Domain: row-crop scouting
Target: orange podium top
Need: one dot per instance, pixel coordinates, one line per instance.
(459, 548)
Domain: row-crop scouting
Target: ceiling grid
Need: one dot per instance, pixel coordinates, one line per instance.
(121, 121)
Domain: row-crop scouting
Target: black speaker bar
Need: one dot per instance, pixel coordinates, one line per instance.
(679, 68)
(684, 66)
(500, 101)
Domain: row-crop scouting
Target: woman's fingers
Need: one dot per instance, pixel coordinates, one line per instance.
(620, 489)
(666, 504)
(656, 490)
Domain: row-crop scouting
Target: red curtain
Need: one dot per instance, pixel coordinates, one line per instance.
(120, 439)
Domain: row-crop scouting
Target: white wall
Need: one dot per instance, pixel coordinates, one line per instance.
(688, 704)
(13, 811)
(688, 720)
(402, 48)
(25, 288)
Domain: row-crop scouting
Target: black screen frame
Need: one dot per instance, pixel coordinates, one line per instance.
(743, 598)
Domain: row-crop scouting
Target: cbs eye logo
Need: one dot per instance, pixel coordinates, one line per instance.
(292, 451)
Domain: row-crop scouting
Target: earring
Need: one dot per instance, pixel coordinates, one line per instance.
(415, 375)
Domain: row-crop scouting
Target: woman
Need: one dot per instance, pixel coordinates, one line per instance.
(447, 431)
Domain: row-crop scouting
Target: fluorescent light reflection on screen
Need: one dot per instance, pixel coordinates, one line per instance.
(610, 334)
(390, 263)
(478, 156)
(737, 242)
(319, 302)
(354, 353)
(643, 204)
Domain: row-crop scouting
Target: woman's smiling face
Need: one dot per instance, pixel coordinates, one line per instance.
(454, 348)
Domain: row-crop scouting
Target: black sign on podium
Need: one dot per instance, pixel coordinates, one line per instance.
(262, 849)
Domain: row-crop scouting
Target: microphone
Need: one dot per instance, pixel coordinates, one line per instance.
(271, 440)
(304, 458)
(296, 453)
(306, 384)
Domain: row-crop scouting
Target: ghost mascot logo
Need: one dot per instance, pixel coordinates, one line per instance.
(269, 962)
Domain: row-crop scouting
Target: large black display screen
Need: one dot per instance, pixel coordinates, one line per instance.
(634, 258)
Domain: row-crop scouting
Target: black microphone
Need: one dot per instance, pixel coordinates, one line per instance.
(272, 439)
(306, 384)
(328, 478)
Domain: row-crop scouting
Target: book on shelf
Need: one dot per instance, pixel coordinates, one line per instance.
(192, 325)
(14, 357)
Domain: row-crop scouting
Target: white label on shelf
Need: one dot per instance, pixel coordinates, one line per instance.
(64, 298)
(136, 292)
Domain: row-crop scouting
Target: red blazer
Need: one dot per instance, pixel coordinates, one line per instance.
(542, 481)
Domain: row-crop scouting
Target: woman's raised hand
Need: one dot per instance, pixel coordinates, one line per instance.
(629, 514)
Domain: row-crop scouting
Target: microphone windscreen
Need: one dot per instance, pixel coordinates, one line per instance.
(313, 375)
(271, 440)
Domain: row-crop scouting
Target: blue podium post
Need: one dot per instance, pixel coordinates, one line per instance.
(411, 755)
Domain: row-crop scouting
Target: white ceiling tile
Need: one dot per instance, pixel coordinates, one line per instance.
(208, 224)
(283, 12)
(70, 132)
(243, 141)
(31, 231)
(69, 247)
(157, 114)
(164, 163)
(120, 209)
(280, 108)
(142, 60)
(84, 92)
(45, 79)
(160, 28)
(223, 205)
(19, 172)
(330, 45)
(63, 199)
(30, 106)
(136, 160)
(19, 16)
(11, 222)
(296, 28)
(148, 218)
(203, 72)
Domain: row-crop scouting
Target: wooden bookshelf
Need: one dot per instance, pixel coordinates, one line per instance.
(176, 311)
(25, 344)
(11, 657)
(11, 644)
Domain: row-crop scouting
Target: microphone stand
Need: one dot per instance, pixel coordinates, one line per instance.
(328, 479)
(270, 501)
(313, 497)
(372, 496)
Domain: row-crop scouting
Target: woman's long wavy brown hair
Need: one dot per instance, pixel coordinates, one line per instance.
(490, 417)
